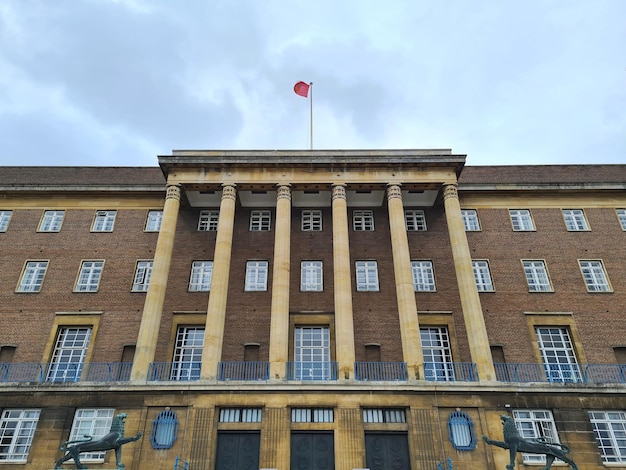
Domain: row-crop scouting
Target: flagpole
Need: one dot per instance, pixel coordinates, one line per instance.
(311, 116)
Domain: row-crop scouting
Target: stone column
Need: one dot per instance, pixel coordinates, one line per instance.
(216, 310)
(344, 327)
(279, 328)
(470, 300)
(155, 296)
(405, 292)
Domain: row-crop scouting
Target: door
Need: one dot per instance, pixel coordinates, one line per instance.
(312, 451)
(237, 451)
(387, 451)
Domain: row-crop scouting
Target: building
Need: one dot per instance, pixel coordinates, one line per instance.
(313, 310)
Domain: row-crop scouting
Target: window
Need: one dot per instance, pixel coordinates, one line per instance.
(461, 431)
(482, 275)
(594, 276)
(240, 415)
(17, 428)
(366, 276)
(143, 271)
(260, 221)
(201, 276)
(153, 221)
(188, 353)
(423, 276)
(536, 424)
(207, 221)
(69, 354)
(312, 353)
(470, 220)
(575, 220)
(384, 415)
(621, 216)
(609, 428)
(311, 220)
(311, 276)
(51, 221)
(91, 422)
(537, 276)
(415, 220)
(437, 353)
(89, 276)
(521, 220)
(256, 275)
(363, 221)
(164, 430)
(312, 415)
(557, 354)
(5, 218)
(32, 277)
(104, 221)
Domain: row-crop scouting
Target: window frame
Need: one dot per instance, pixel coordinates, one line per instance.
(69, 353)
(98, 426)
(145, 272)
(260, 220)
(202, 270)
(311, 220)
(208, 220)
(621, 218)
(533, 274)
(93, 272)
(595, 276)
(187, 347)
(421, 270)
(153, 222)
(415, 220)
(606, 438)
(482, 271)
(471, 222)
(5, 219)
(537, 424)
(318, 351)
(363, 220)
(366, 273)
(441, 354)
(103, 221)
(311, 276)
(51, 221)
(558, 353)
(36, 273)
(575, 220)
(522, 220)
(23, 433)
(257, 275)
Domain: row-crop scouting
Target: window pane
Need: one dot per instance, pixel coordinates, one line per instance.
(256, 275)
(104, 221)
(366, 276)
(201, 276)
(153, 222)
(208, 220)
(470, 220)
(69, 354)
(362, 220)
(33, 275)
(423, 275)
(188, 353)
(143, 271)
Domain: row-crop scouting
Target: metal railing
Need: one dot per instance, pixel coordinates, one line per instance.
(65, 372)
(243, 371)
(561, 373)
(450, 371)
(174, 371)
(394, 371)
(312, 370)
(107, 371)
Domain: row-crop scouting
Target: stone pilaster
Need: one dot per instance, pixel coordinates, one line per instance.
(350, 446)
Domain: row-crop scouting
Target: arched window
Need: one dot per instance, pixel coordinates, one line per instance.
(164, 430)
(461, 430)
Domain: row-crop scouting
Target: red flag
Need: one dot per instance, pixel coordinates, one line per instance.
(301, 89)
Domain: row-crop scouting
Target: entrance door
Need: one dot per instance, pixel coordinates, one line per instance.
(312, 451)
(237, 451)
(387, 451)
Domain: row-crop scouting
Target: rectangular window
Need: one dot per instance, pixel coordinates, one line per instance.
(594, 275)
(17, 428)
(207, 221)
(537, 276)
(470, 220)
(521, 220)
(536, 424)
(415, 220)
(240, 415)
(423, 276)
(153, 221)
(69, 354)
(311, 276)
(89, 276)
(367, 276)
(104, 221)
(621, 216)
(312, 353)
(312, 415)
(609, 428)
(575, 220)
(260, 221)
(437, 353)
(51, 221)
(311, 220)
(363, 221)
(384, 415)
(188, 353)
(557, 353)
(143, 271)
(482, 275)
(201, 276)
(91, 422)
(256, 275)
(32, 277)
(5, 218)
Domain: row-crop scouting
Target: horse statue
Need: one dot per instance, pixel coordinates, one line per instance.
(113, 440)
(515, 443)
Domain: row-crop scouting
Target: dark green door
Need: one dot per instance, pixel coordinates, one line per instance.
(312, 451)
(237, 451)
(387, 451)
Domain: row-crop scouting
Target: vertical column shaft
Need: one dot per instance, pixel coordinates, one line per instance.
(216, 310)
(344, 327)
(155, 296)
(470, 300)
(405, 292)
(279, 328)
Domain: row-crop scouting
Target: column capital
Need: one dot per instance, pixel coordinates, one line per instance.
(450, 190)
(284, 191)
(394, 191)
(173, 191)
(339, 191)
(229, 191)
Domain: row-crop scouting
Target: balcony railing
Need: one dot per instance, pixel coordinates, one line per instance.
(243, 371)
(107, 371)
(450, 371)
(381, 371)
(65, 372)
(174, 371)
(311, 370)
(561, 373)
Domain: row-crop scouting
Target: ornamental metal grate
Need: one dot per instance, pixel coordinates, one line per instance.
(164, 430)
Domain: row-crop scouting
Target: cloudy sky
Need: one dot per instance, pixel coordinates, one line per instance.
(118, 82)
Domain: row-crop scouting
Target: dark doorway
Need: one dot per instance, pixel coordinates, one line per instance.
(387, 451)
(312, 451)
(237, 451)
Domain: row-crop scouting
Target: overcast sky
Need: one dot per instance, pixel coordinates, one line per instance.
(118, 82)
